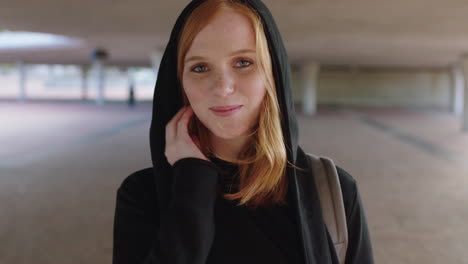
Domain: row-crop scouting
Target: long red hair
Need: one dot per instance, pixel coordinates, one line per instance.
(262, 162)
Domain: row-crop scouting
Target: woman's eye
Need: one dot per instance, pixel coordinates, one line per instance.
(243, 63)
(199, 68)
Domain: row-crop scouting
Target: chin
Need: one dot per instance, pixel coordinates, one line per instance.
(227, 131)
(226, 134)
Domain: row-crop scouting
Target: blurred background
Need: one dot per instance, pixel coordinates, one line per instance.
(379, 87)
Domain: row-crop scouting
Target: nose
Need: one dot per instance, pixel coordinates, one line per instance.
(223, 85)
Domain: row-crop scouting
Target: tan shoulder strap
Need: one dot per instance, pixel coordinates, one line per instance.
(331, 200)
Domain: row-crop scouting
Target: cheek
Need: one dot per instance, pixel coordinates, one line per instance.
(197, 96)
(255, 88)
(193, 91)
(250, 86)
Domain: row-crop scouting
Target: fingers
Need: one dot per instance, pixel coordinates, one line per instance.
(171, 127)
(179, 143)
(182, 125)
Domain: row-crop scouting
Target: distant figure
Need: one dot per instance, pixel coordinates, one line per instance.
(131, 96)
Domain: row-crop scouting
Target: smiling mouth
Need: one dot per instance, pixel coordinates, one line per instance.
(225, 108)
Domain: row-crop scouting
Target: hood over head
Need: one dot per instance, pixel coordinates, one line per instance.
(168, 100)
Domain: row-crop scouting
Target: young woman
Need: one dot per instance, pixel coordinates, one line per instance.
(229, 183)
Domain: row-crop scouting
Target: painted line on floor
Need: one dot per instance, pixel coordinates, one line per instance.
(413, 140)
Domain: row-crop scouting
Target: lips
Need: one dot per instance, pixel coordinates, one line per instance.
(224, 107)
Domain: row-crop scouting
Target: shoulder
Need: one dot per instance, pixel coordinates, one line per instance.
(138, 190)
(349, 189)
(347, 182)
(137, 180)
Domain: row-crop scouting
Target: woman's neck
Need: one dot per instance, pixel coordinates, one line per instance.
(229, 148)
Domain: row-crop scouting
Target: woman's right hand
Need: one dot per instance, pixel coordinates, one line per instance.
(179, 144)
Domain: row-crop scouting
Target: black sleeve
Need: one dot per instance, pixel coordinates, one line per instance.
(359, 249)
(186, 231)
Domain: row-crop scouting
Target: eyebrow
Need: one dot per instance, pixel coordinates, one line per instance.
(232, 54)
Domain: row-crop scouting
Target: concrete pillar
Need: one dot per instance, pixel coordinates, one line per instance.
(309, 81)
(21, 68)
(84, 82)
(98, 56)
(456, 90)
(98, 65)
(464, 65)
(50, 75)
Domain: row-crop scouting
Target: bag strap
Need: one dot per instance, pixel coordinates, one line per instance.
(331, 201)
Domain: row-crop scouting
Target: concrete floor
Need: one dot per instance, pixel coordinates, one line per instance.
(60, 166)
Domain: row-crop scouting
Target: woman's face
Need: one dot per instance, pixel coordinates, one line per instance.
(220, 70)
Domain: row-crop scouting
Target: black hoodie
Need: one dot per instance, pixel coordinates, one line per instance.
(165, 214)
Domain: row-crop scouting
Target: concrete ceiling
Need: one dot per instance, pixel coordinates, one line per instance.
(397, 33)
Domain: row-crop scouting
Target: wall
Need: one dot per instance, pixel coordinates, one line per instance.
(417, 88)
